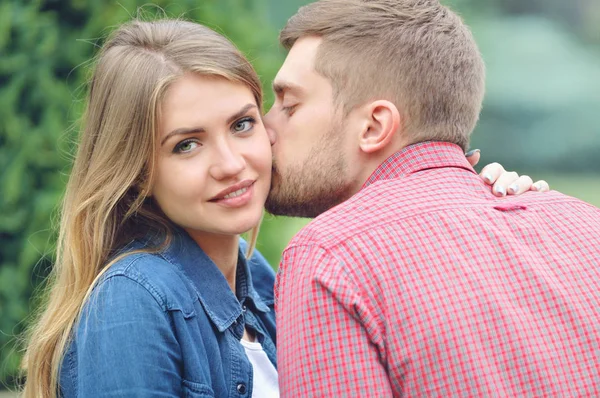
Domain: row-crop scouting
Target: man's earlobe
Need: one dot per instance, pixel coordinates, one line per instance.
(383, 122)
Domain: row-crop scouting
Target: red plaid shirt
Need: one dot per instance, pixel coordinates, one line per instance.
(425, 284)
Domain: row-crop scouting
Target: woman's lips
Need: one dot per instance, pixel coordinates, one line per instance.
(236, 198)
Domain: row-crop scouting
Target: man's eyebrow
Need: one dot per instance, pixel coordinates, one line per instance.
(279, 87)
(192, 130)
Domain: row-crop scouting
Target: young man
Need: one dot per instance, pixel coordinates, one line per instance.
(415, 280)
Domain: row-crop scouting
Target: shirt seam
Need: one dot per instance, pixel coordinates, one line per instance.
(350, 277)
(150, 288)
(152, 291)
(139, 278)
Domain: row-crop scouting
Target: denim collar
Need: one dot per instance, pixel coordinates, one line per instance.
(212, 289)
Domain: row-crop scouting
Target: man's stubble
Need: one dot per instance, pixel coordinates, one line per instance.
(315, 185)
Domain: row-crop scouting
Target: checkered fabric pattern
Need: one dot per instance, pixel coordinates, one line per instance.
(424, 284)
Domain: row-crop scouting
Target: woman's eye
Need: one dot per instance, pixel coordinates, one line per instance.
(243, 125)
(186, 146)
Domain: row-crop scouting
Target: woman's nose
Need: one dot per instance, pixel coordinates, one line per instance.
(228, 162)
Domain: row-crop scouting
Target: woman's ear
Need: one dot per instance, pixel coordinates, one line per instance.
(383, 120)
(142, 185)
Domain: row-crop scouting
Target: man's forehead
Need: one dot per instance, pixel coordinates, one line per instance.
(299, 63)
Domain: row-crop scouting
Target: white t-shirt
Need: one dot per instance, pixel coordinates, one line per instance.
(265, 383)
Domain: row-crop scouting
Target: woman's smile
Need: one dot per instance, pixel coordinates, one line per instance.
(237, 195)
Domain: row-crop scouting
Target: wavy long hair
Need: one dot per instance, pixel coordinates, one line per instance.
(105, 204)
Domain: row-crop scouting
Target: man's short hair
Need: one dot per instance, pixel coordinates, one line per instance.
(416, 53)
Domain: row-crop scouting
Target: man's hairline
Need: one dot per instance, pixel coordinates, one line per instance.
(278, 87)
(338, 99)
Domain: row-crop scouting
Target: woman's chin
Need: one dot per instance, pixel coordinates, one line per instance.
(246, 227)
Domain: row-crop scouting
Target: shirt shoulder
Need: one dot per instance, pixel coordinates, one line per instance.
(399, 200)
(126, 322)
(163, 280)
(379, 203)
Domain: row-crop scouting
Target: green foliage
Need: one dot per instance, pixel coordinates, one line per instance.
(275, 233)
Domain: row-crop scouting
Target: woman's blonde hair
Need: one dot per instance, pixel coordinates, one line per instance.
(106, 203)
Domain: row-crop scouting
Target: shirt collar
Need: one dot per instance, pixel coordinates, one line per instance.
(214, 293)
(244, 284)
(418, 157)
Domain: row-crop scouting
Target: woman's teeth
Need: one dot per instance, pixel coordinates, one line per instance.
(236, 193)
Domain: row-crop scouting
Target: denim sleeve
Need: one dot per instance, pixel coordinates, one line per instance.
(126, 346)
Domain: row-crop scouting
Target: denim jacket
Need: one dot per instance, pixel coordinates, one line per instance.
(168, 325)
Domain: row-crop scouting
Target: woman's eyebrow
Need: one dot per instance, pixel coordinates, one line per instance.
(241, 113)
(183, 131)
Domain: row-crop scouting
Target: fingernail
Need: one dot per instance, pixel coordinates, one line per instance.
(514, 188)
(472, 152)
(500, 191)
(488, 178)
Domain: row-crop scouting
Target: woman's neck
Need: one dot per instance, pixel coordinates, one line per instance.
(222, 250)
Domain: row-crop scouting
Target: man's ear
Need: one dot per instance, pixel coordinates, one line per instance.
(383, 120)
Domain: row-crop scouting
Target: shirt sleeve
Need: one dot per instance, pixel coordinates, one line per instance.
(126, 346)
(329, 343)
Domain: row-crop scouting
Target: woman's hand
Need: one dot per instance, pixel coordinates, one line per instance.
(505, 182)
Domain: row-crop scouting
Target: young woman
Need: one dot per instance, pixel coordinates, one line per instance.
(153, 293)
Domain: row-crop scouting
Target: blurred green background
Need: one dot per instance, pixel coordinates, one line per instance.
(539, 117)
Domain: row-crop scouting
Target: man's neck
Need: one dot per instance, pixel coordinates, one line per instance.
(369, 162)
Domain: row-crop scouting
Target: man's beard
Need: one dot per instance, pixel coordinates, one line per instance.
(315, 186)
